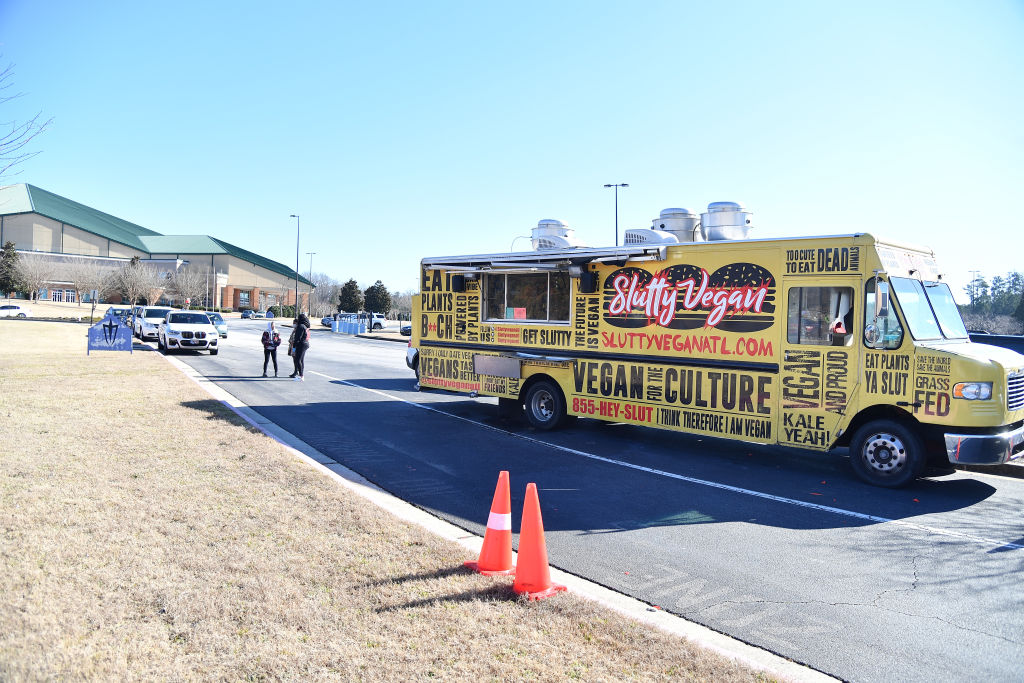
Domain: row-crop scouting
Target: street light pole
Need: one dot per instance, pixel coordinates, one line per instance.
(298, 227)
(617, 186)
(309, 303)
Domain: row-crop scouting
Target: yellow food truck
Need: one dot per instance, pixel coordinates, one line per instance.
(810, 342)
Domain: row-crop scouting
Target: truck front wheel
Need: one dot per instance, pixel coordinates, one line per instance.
(545, 405)
(887, 453)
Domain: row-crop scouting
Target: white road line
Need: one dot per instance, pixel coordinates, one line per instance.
(701, 482)
(635, 609)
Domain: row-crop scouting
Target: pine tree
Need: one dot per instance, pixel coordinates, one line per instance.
(351, 297)
(9, 280)
(1019, 313)
(378, 299)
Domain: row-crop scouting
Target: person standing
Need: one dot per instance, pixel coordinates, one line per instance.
(271, 340)
(299, 344)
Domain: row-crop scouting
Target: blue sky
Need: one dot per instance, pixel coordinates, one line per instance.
(399, 130)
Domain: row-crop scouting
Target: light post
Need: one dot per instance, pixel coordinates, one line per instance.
(309, 303)
(617, 186)
(298, 227)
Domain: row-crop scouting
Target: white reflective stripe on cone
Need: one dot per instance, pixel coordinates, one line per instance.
(499, 522)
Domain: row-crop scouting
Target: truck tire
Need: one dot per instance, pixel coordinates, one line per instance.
(545, 405)
(887, 453)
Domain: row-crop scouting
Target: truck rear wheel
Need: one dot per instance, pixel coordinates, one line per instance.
(887, 453)
(545, 405)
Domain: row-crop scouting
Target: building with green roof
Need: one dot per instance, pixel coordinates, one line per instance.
(61, 234)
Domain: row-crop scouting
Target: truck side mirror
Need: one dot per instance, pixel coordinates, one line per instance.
(881, 299)
(872, 335)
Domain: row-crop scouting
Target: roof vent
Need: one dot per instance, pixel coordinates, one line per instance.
(552, 234)
(725, 221)
(680, 222)
(642, 236)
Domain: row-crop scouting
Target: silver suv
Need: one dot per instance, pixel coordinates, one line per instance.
(147, 321)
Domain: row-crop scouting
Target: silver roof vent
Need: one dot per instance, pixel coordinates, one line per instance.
(552, 234)
(672, 226)
(725, 221)
(642, 236)
(682, 223)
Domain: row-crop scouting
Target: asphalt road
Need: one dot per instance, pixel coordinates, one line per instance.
(783, 550)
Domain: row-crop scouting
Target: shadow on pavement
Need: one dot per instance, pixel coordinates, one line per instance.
(630, 478)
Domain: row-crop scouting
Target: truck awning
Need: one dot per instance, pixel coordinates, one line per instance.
(548, 260)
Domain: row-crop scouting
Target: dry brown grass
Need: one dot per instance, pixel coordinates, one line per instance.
(149, 533)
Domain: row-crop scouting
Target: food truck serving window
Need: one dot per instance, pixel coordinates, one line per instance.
(529, 296)
(820, 315)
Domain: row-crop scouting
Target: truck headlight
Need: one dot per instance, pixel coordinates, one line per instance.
(973, 391)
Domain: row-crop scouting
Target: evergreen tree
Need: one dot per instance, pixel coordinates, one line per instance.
(978, 291)
(351, 297)
(1019, 313)
(378, 299)
(9, 280)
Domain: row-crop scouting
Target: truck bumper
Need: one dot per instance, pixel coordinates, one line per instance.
(985, 449)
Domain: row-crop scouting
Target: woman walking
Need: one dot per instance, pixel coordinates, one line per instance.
(271, 340)
(299, 344)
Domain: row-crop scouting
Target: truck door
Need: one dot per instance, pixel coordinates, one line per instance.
(820, 358)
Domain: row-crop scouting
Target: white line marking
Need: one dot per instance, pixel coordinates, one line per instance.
(635, 609)
(701, 482)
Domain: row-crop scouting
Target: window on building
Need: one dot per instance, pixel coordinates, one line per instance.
(537, 297)
(821, 316)
(243, 299)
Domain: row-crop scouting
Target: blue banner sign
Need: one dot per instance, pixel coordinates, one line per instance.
(110, 334)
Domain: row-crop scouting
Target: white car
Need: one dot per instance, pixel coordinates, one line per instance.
(147, 321)
(187, 331)
(14, 311)
(378, 320)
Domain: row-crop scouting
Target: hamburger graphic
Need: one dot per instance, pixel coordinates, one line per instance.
(739, 297)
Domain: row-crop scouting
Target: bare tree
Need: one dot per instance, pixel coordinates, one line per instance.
(157, 285)
(34, 272)
(87, 275)
(401, 304)
(190, 283)
(14, 136)
(325, 295)
(137, 279)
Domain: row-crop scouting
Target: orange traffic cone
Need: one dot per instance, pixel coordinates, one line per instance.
(496, 552)
(533, 576)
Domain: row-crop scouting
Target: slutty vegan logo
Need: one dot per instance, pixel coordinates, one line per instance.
(739, 297)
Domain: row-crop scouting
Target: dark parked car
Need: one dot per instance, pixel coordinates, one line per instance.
(122, 312)
(1007, 341)
(406, 329)
(246, 314)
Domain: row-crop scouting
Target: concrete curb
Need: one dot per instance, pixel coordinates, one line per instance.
(699, 635)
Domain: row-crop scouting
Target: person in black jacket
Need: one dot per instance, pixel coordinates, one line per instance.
(299, 344)
(271, 340)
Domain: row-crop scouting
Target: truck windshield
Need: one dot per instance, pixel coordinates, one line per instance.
(929, 309)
